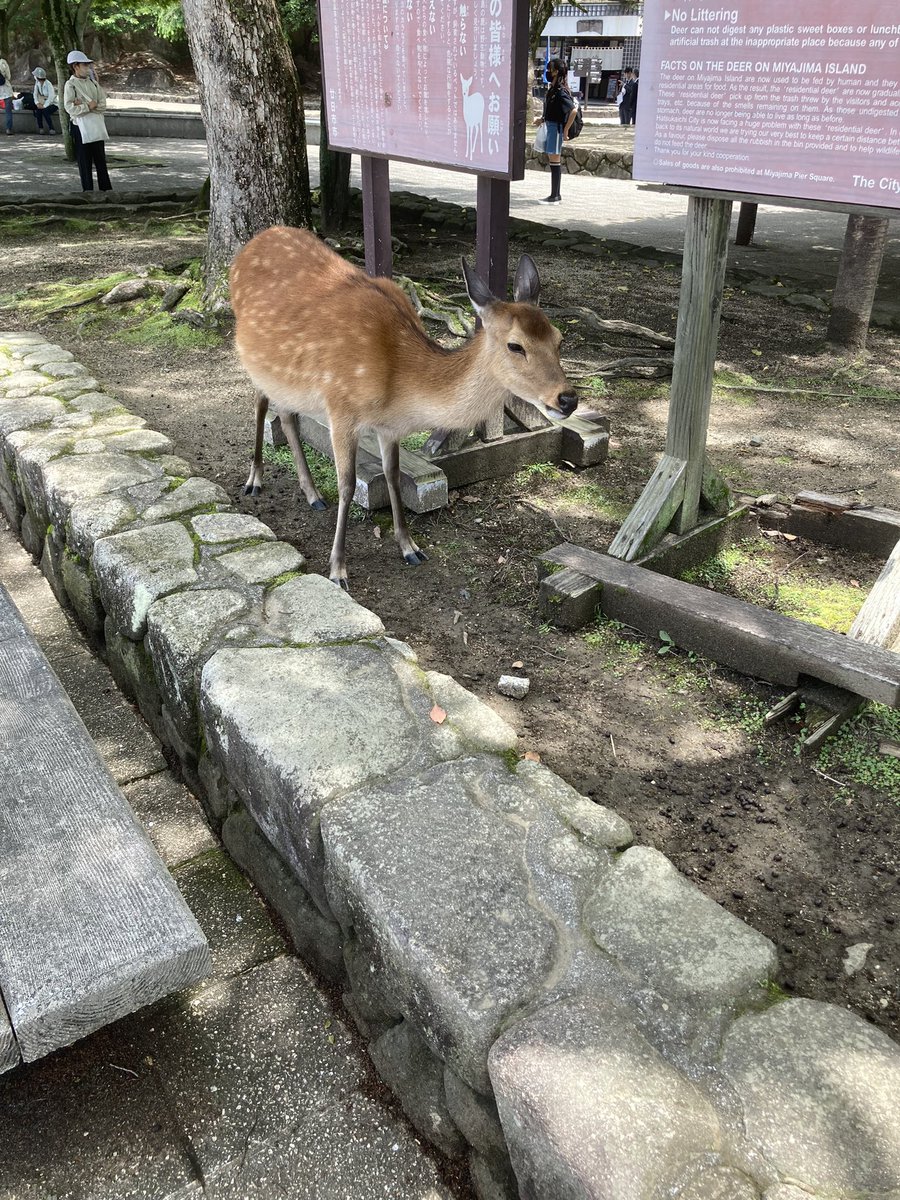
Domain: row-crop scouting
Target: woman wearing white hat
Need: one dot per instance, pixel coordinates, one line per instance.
(6, 93)
(44, 96)
(85, 102)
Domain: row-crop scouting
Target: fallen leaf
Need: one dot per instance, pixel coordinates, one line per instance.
(457, 616)
(854, 583)
(470, 499)
(502, 559)
(531, 756)
(377, 531)
(789, 537)
(438, 715)
(517, 664)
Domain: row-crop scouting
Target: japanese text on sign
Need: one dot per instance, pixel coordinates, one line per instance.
(422, 80)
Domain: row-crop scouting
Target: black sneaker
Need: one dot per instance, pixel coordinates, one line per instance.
(551, 200)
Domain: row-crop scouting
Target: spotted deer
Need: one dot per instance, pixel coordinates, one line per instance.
(318, 336)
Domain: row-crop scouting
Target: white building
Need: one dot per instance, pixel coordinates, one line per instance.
(598, 41)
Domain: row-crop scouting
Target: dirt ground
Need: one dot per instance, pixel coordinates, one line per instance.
(805, 849)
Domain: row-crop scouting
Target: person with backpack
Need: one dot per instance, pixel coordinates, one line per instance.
(560, 111)
(6, 93)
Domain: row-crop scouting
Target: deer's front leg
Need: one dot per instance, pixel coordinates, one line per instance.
(344, 441)
(390, 462)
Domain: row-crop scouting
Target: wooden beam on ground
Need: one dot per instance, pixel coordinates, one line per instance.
(423, 484)
(867, 529)
(568, 598)
(738, 635)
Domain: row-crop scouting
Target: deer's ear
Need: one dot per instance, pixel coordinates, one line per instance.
(479, 292)
(527, 285)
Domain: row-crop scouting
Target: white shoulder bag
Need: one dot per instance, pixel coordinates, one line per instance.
(92, 127)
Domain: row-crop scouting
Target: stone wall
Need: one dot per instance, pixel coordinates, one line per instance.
(557, 1006)
(585, 160)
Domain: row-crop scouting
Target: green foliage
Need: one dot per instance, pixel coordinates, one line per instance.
(852, 754)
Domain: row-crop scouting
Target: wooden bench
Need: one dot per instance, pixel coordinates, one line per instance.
(92, 926)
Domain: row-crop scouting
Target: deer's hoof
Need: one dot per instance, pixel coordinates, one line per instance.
(342, 584)
(252, 489)
(319, 505)
(415, 558)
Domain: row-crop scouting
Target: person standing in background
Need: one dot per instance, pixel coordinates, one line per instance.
(628, 111)
(44, 100)
(559, 114)
(6, 93)
(85, 102)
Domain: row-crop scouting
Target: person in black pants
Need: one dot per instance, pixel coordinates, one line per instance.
(43, 97)
(85, 102)
(628, 111)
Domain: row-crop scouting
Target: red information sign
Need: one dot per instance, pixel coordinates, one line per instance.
(425, 80)
(798, 100)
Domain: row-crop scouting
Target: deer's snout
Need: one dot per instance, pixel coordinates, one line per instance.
(567, 402)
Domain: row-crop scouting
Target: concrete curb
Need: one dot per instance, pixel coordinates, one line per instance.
(568, 1014)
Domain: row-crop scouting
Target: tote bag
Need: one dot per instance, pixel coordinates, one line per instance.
(540, 139)
(92, 128)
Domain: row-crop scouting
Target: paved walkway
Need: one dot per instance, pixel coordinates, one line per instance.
(247, 1085)
(802, 245)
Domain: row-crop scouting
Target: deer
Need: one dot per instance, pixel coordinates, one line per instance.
(316, 335)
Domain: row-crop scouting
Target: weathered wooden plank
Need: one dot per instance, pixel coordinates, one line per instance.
(568, 598)
(423, 484)
(739, 635)
(504, 457)
(714, 491)
(872, 530)
(878, 621)
(92, 926)
(586, 439)
(653, 512)
(525, 414)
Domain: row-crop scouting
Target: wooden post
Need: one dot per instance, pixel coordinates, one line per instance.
(492, 233)
(672, 494)
(376, 201)
(699, 310)
(746, 225)
(492, 261)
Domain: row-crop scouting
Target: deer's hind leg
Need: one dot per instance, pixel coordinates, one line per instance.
(253, 486)
(390, 462)
(310, 491)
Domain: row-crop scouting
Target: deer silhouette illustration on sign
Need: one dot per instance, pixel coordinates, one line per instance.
(473, 111)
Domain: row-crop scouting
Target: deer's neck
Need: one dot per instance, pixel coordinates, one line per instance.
(451, 389)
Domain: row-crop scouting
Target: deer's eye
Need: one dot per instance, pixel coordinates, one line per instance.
(515, 348)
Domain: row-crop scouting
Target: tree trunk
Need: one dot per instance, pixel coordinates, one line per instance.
(255, 131)
(854, 290)
(4, 33)
(60, 30)
(334, 181)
